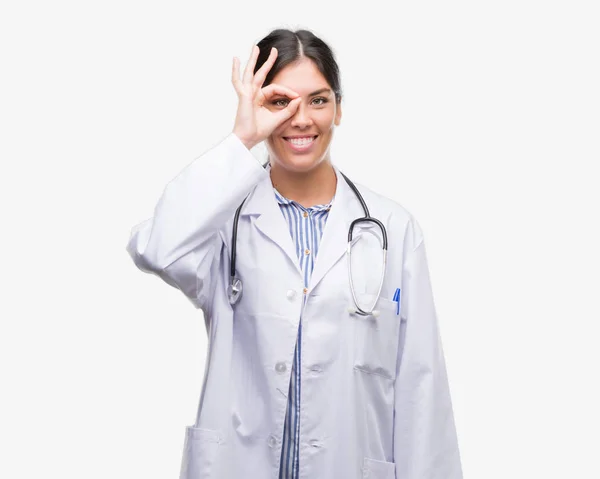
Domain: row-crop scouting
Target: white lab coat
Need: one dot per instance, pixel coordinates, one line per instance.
(375, 401)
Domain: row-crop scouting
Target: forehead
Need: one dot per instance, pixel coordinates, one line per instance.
(303, 77)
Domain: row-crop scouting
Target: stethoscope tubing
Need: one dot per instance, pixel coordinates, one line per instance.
(235, 284)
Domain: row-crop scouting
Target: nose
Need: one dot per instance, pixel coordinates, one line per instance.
(301, 118)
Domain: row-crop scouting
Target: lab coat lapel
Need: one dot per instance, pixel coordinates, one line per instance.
(270, 220)
(334, 242)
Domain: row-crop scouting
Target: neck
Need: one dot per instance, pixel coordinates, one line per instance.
(314, 187)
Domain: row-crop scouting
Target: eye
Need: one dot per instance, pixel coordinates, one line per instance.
(276, 102)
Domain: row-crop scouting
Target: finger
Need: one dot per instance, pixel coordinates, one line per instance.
(235, 75)
(261, 74)
(249, 72)
(277, 89)
(288, 111)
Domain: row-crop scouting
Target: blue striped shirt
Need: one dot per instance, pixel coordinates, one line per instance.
(306, 228)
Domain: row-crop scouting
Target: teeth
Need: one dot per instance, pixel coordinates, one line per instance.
(300, 141)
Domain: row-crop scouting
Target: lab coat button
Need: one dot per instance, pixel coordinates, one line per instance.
(291, 294)
(272, 441)
(280, 367)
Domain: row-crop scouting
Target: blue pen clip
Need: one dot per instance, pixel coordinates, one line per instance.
(397, 299)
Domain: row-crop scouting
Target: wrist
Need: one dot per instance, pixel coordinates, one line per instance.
(247, 143)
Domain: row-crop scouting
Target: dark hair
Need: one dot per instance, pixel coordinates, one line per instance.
(293, 46)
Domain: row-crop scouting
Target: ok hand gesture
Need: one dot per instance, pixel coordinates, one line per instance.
(254, 122)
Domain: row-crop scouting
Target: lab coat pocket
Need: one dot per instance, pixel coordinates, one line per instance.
(374, 469)
(199, 452)
(376, 338)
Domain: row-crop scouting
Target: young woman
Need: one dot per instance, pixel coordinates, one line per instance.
(324, 361)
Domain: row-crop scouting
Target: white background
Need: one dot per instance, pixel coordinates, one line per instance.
(481, 118)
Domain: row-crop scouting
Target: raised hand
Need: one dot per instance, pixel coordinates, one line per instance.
(254, 122)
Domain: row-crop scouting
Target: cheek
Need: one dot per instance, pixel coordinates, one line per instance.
(274, 138)
(271, 146)
(326, 120)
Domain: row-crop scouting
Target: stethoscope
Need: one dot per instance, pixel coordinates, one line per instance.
(234, 290)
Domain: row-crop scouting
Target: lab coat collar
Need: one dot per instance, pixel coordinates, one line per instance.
(271, 222)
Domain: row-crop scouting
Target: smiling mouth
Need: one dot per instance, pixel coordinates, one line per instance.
(305, 141)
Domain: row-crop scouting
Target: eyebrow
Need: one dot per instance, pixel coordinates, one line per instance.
(322, 90)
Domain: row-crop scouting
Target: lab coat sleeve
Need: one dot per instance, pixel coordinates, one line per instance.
(425, 438)
(182, 243)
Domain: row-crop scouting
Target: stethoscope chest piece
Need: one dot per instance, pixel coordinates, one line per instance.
(234, 290)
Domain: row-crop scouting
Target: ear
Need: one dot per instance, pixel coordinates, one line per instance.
(338, 113)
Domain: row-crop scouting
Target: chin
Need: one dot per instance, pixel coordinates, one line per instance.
(299, 164)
